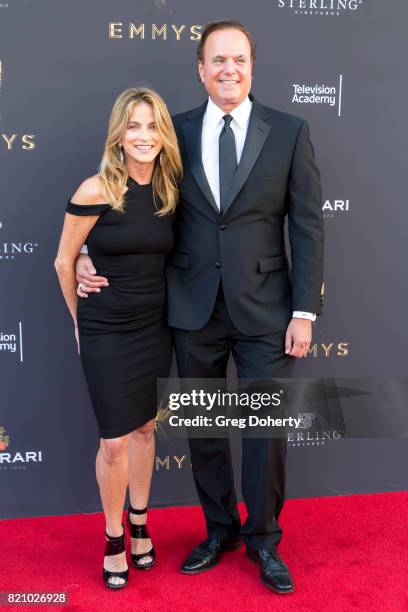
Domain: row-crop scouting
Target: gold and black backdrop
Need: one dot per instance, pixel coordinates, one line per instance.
(339, 64)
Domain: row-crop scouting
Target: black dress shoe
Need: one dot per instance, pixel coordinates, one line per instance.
(274, 572)
(208, 554)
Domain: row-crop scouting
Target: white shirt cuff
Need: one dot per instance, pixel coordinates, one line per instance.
(298, 314)
(84, 249)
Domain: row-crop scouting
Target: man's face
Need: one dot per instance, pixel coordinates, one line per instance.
(226, 69)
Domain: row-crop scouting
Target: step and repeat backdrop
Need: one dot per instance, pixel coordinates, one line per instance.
(337, 63)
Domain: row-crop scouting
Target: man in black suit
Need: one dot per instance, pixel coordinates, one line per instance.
(246, 167)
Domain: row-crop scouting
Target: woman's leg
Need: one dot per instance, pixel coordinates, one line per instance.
(112, 477)
(141, 451)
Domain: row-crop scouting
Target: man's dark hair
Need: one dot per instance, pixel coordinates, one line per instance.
(228, 24)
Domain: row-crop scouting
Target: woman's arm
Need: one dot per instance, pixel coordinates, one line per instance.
(74, 233)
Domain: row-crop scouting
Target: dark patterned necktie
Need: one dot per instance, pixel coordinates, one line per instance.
(227, 160)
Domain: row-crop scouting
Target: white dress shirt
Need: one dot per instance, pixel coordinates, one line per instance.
(213, 123)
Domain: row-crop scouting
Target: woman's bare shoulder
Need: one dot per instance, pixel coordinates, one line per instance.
(89, 192)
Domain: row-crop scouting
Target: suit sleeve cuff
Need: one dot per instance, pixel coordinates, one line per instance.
(299, 314)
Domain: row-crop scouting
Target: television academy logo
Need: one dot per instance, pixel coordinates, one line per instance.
(16, 460)
(322, 94)
(12, 250)
(12, 342)
(8, 138)
(311, 438)
(321, 8)
(332, 208)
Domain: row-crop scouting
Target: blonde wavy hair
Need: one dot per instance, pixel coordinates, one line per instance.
(168, 168)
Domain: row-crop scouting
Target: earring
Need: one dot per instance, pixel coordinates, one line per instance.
(161, 158)
(121, 155)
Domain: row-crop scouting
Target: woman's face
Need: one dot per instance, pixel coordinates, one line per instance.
(141, 141)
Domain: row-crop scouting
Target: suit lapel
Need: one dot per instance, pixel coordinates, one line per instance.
(192, 129)
(257, 133)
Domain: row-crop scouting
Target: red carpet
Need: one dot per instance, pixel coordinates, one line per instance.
(345, 553)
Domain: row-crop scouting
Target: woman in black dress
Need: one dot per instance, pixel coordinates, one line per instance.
(124, 214)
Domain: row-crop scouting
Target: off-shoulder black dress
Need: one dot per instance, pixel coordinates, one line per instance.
(125, 343)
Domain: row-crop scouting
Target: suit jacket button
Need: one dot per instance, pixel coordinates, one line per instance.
(222, 227)
(218, 264)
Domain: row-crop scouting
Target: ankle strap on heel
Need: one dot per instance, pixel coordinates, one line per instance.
(137, 512)
(137, 531)
(114, 544)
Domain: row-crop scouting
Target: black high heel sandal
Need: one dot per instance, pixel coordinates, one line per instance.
(140, 532)
(115, 546)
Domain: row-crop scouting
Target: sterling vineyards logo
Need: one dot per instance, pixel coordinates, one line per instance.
(13, 249)
(322, 94)
(10, 139)
(333, 8)
(11, 341)
(16, 460)
(311, 438)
